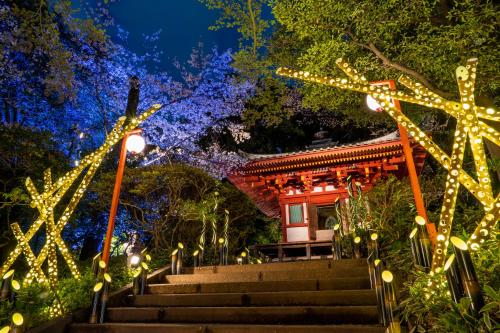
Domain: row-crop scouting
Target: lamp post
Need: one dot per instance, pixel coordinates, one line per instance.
(410, 164)
(134, 143)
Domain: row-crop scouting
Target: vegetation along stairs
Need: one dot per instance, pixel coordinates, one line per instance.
(302, 296)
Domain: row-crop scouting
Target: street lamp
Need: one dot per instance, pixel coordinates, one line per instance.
(374, 105)
(133, 142)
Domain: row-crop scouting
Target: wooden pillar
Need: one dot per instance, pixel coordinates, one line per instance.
(412, 173)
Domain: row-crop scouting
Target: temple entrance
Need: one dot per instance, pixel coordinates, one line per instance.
(326, 217)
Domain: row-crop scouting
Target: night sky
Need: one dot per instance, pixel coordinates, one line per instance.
(184, 23)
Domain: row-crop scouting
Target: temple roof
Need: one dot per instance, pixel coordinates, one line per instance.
(388, 137)
(385, 146)
(256, 177)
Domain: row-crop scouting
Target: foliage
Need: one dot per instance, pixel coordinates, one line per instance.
(460, 319)
(381, 38)
(245, 16)
(23, 152)
(166, 204)
(422, 306)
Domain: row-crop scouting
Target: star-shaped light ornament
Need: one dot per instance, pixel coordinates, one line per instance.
(471, 127)
(46, 202)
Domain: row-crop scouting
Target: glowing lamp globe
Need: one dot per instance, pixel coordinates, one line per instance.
(135, 143)
(373, 104)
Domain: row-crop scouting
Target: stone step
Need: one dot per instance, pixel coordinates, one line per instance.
(284, 298)
(337, 272)
(279, 266)
(247, 315)
(262, 286)
(217, 328)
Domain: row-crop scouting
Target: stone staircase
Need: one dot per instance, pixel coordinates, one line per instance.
(304, 296)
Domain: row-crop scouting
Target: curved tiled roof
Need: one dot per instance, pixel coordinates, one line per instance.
(387, 145)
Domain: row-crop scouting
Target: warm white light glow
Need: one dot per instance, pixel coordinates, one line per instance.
(387, 276)
(135, 143)
(373, 104)
(134, 260)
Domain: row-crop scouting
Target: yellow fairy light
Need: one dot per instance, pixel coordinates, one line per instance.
(471, 126)
(46, 202)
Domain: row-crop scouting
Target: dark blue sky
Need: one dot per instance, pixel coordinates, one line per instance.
(184, 23)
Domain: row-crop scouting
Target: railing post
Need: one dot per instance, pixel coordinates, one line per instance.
(379, 291)
(221, 252)
(468, 274)
(104, 296)
(144, 277)
(391, 302)
(95, 264)
(136, 284)
(173, 259)
(424, 242)
(95, 302)
(6, 284)
(195, 258)
(357, 247)
(337, 247)
(453, 278)
(415, 248)
(180, 258)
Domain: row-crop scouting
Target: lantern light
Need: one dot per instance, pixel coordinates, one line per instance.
(373, 104)
(135, 143)
(17, 319)
(134, 260)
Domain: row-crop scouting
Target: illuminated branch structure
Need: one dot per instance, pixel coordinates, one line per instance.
(470, 125)
(46, 202)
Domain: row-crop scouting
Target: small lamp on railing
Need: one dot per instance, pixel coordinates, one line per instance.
(16, 286)
(95, 263)
(221, 251)
(180, 258)
(244, 258)
(336, 246)
(173, 261)
(101, 269)
(196, 254)
(424, 243)
(17, 324)
(95, 302)
(357, 247)
(391, 302)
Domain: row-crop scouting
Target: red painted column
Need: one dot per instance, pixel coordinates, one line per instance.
(114, 202)
(412, 173)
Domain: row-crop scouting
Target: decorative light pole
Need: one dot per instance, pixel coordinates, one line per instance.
(134, 143)
(407, 150)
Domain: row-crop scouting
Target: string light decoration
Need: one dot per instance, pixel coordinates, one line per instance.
(470, 125)
(46, 202)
